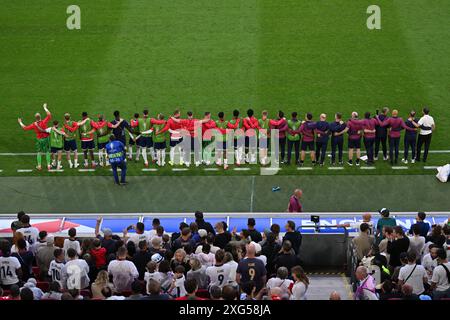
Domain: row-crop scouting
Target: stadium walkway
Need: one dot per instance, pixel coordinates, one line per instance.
(321, 287)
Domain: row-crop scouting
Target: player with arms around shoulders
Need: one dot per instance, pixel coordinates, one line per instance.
(42, 137)
(70, 140)
(103, 130)
(56, 143)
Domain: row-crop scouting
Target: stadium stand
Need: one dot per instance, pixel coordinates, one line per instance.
(272, 256)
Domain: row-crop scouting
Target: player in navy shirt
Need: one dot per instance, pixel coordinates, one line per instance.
(337, 141)
(322, 136)
(381, 134)
(119, 132)
(116, 154)
(410, 138)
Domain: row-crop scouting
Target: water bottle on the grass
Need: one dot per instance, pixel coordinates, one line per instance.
(274, 189)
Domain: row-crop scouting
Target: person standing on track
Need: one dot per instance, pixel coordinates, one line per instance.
(322, 136)
(381, 134)
(427, 126)
(337, 140)
(294, 201)
(117, 157)
(42, 137)
(410, 139)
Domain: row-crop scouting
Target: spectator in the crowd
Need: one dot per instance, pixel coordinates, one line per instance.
(136, 291)
(408, 293)
(294, 204)
(206, 257)
(440, 281)
(75, 293)
(294, 236)
(98, 253)
(72, 242)
(229, 293)
(137, 236)
(208, 239)
(191, 288)
(152, 273)
(429, 261)
(44, 256)
(177, 289)
(155, 224)
(222, 236)
(156, 246)
(198, 272)
(14, 276)
(436, 236)
(413, 274)
(202, 224)
(301, 283)
(276, 230)
(397, 244)
(109, 294)
(384, 221)
(215, 293)
(388, 291)
(251, 268)
(41, 242)
(233, 265)
(75, 273)
(286, 258)
(255, 235)
(280, 281)
(366, 286)
(335, 296)
(107, 240)
(179, 258)
(194, 232)
(25, 258)
(31, 285)
(54, 292)
(166, 275)
(423, 226)
(416, 242)
(403, 262)
(143, 256)
(131, 249)
(123, 272)
(363, 242)
(17, 224)
(101, 282)
(176, 235)
(184, 240)
(270, 250)
(387, 234)
(26, 294)
(154, 292)
(14, 293)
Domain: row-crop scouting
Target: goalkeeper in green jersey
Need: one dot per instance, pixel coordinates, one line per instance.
(42, 137)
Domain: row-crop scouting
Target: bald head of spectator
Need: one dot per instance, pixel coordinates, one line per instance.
(275, 293)
(298, 193)
(407, 290)
(335, 296)
(367, 217)
(251, 250)
(229, 293)
(361, 273)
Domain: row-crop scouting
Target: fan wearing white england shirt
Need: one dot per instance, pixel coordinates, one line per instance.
(124, 272)
(75, 274)
(281, 281)
(56, 266)
(30, 233)
(219, 273)
(177, 289)
(137, 237)
(10, 269)
(233, 268)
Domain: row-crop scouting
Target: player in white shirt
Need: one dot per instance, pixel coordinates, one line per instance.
(426, 121)
(219, 273)
(56, 266)
(281, 281)
(75, 273)
(10, 269)
(124, 272)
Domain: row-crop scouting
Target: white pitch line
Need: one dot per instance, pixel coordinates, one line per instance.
(180, 169)
(56, 170)
(118, 169)
(211, 169)
(367, 168)
(304, 168)
(400, 168)
(86, 170)
(24, 170)
(430, 167)
(149, 169)
(1, 171)
(241, 169)
(335, 168)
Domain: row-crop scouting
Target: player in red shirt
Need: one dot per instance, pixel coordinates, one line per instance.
(70, 141)
(236, 124)
(209, 128)
(102, 127)
(134, 124)
(42, 137)
(251, 126)
(175, 138)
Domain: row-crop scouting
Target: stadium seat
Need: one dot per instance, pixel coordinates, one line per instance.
(202, 293)
(43, 285)
(36, 273)
(86, 293)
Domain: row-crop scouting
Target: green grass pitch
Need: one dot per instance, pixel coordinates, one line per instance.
(210, 55)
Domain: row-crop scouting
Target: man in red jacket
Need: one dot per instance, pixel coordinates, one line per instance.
(175, 138)
(251, 125)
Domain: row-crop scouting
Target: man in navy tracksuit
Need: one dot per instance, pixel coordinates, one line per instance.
(322, 131)
(410, 138)
(337, 141)
(116, 155)
(381, 135)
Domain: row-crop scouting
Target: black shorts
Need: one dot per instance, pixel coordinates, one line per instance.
(101, 145)
(173, 143)
(160, 145)
(88, 145)
(55, 150)
(70, 145)
(307, 145)
(354, 143)
(131, 142)
(145, 142)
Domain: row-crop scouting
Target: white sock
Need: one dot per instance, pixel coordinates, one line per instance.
(100, 155)
(152, 153)
(144, 155)
(75, 160)
(163, 157)
(59, 164)
(138, 153)
(130, 152)
(172, 154)
(70, 163)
